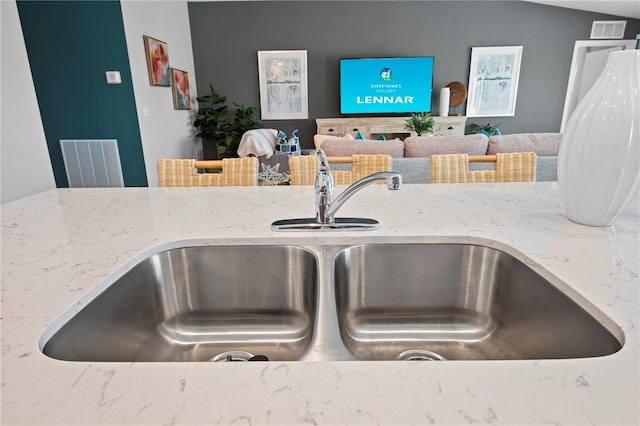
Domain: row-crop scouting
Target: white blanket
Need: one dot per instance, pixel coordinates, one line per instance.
(258, 142)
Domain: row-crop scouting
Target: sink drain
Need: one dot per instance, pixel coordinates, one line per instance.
(232, 356)
(420, 355)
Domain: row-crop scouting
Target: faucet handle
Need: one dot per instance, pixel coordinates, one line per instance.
(323, 164)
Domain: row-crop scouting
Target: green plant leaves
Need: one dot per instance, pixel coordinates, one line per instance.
(212, 122)
(420, 122)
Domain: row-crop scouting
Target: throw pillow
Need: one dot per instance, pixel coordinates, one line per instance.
(294, 139)
(359, 135)
(426, 146)
(543, 144)
(288, 146)
(282, 137)
(381, 138)
(318, 139)
(335, 148)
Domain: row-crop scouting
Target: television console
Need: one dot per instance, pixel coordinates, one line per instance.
(390, 127)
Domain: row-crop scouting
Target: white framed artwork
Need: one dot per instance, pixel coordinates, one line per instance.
(283, 84)
(493, 81)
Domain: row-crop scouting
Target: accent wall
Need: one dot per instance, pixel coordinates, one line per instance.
(226, 36)
(70, 45)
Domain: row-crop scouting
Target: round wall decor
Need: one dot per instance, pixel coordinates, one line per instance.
(458, 93)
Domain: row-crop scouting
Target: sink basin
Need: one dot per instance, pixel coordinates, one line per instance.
(199, 304)
(457, 301)
(331, 302)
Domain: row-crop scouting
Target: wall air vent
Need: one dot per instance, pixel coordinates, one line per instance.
(608, 29)
(92, 163)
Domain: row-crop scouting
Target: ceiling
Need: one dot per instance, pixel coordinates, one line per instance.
(624, 8)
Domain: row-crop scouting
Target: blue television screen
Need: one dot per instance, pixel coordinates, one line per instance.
(386, 85)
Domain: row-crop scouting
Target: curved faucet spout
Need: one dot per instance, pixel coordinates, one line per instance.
(394, 182)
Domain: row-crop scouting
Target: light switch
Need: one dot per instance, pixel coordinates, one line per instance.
(113, 77)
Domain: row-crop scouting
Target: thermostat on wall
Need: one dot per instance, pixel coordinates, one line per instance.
(113, 77)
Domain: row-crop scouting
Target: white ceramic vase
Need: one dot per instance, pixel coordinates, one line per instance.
(445, 94)
(599, 158)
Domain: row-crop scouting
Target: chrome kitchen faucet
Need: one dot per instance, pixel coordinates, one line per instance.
(327, 206)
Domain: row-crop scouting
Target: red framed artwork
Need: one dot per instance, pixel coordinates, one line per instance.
(157, 61)
(181, 97)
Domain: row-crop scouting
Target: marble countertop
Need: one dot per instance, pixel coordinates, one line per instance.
(58, 245)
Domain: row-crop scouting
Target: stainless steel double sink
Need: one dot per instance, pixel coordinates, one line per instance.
(440, 301)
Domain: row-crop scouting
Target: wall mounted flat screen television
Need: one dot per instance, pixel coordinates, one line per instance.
(386, 85)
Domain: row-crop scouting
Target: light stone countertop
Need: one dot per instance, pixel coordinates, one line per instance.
(59, 245)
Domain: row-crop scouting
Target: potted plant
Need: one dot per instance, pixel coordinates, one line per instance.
(221, 137)
(488, 129)
(420, 122)
(244, 119)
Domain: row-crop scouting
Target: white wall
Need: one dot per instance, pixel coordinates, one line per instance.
(24, 158)
(165, 132)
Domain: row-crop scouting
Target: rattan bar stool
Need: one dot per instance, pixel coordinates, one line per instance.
(184, 172)
(303, 168)
(509, 167)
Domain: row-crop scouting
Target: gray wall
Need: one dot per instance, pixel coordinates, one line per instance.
(227, 35)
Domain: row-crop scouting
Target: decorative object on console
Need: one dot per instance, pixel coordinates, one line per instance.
(493, 81)
(420, 122)
(157, 54)
(445, 95)
(283, 84)
(458, 94)
(359, 135)
(488, 130)
(599, 157)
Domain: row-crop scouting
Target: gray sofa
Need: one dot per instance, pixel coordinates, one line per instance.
(411, 156)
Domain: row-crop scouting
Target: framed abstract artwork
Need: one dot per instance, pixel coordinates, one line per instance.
(493, 81)
(283, 84)
(157, 61)
(180, 86)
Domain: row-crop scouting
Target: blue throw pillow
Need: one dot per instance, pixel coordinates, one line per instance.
(294, 139)
(282, 137)
(359, 135)
(381, 138)
(288, 146)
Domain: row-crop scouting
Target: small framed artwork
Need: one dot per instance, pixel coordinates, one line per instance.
(283, 84)
(493, 81)
(157, 61)
(180, 86)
